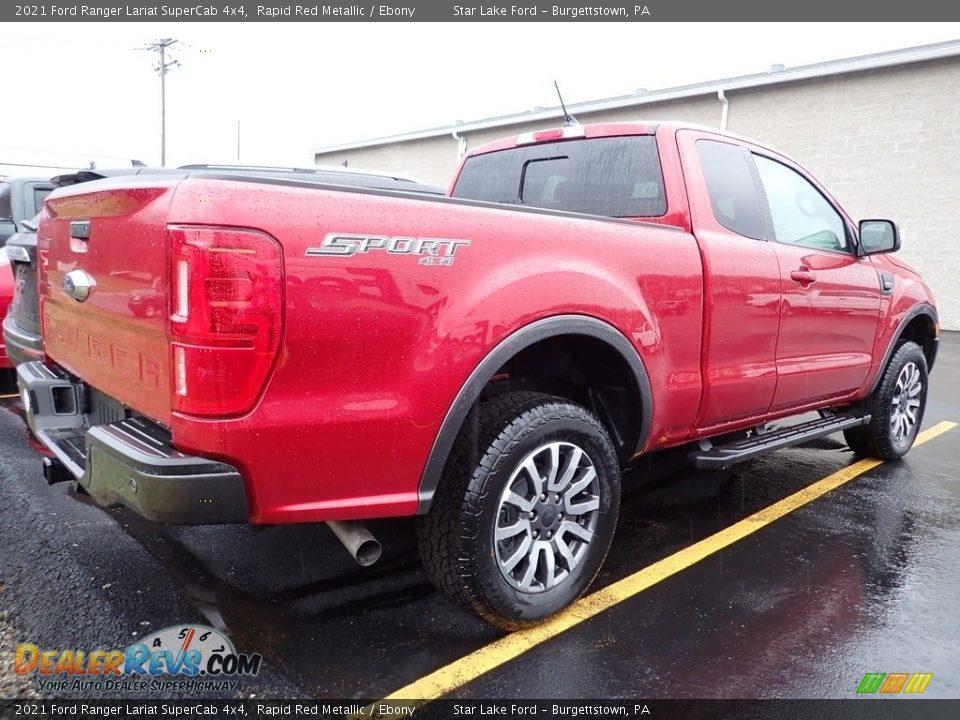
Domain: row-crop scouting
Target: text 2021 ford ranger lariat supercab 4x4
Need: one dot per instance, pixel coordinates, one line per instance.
(488, 362)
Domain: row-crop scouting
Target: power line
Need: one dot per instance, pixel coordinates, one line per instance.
(47, 151)
(47, 167)
(161, 47)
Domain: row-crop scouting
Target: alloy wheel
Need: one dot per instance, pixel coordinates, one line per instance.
(547, 517)
(905, 404)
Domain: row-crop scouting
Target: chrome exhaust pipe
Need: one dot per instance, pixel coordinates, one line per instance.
(359, 542)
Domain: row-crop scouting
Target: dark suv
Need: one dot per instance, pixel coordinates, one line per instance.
(21, 326)
(20, 199)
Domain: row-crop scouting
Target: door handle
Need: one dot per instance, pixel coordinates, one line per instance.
(803, 276)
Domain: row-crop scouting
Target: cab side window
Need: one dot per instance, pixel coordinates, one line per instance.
(732, 188)
(801, 215)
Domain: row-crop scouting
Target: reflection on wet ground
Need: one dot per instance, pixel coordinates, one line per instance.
(864, 579)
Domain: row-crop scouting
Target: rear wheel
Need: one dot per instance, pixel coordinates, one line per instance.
(896, 407)
(524, 515)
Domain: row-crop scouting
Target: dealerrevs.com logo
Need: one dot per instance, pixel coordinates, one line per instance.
(187, 658)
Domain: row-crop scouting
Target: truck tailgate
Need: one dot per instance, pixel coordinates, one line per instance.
(112, 234)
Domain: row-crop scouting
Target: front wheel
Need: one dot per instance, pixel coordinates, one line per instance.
(526, 509)
(896, 407)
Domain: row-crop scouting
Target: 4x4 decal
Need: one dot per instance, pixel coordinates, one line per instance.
(432, 251)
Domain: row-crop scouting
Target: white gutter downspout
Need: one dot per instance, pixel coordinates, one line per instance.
(461, 145)
(724, 109)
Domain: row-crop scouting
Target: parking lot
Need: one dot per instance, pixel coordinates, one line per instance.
(799, 602)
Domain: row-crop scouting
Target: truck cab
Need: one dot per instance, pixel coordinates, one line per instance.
(800, 302)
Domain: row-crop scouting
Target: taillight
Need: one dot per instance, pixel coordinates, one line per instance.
(226, 317)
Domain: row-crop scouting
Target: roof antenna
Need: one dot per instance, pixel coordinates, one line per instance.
(568, 119)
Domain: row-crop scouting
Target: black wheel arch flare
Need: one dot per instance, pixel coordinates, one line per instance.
(519, 340)
(931, 352)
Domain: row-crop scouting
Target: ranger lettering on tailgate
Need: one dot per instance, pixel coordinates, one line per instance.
(126, 362)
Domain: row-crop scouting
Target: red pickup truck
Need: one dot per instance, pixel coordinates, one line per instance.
(488, 361)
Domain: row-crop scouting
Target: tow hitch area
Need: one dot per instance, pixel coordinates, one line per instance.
(54, 472)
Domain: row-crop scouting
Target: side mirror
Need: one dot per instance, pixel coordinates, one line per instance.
(879, 236)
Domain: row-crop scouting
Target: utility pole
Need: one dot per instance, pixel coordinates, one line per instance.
(162, 46)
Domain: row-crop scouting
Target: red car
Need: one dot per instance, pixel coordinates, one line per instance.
(488, 361)
(6, 297)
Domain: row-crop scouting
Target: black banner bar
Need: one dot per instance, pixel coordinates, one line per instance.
(491, 11)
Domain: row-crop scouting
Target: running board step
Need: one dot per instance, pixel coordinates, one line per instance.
(718, 457)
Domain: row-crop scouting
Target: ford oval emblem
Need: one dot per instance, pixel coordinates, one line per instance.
(78, 285)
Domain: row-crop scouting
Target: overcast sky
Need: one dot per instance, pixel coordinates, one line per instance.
(83, 91)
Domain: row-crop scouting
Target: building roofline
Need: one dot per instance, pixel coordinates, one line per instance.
(860, 63)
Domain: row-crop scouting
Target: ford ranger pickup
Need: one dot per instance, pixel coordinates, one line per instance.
(489, 361)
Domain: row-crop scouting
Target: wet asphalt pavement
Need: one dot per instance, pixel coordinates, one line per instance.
(864, 579)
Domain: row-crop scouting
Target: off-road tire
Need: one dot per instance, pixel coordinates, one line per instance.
(878, 439)
(456, 538)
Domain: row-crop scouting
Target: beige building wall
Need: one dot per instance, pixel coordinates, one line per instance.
(431, 160)
(885, 142)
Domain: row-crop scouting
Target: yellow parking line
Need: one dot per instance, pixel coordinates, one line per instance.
(7, 397)
(468, 668)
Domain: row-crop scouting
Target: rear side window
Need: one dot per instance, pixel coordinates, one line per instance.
(612, 177)
(39, 195)
(732, 188)
(6, 212)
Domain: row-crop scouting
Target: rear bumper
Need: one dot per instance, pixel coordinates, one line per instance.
(21, 346)
(130, 462)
